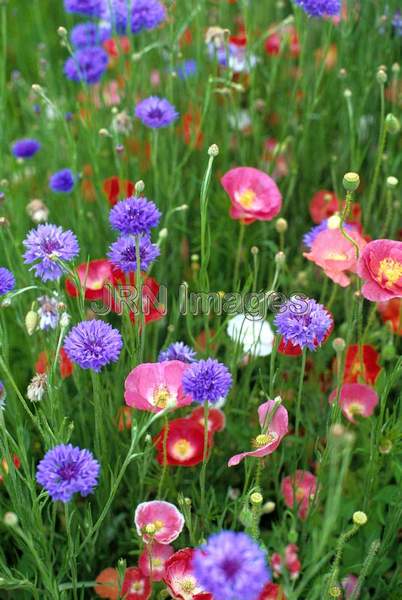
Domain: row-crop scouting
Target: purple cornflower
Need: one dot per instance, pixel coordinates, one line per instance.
(320, 8)
(92, 8)
(156, 112)
(186, 69)
(7, 281)
(93, 344)
(207, 381)
(62, 181)
(303, 322)
(122, 253)
(177, 351)
(397, 22)
(25, 148)
(48, 312)
(231, 566)
(89, 34)
(87, 65)
(146, 14)
(44, 245)
(134, 215)
(66, 470)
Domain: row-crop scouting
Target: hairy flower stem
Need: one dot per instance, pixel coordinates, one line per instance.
(381, 147)
(344, 218)
(374, 548)
(334, 573)
(238, 255)
(203, 472)
(300, 390)
(164, 455)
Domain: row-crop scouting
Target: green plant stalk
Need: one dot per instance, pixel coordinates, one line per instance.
(203, 472)
(300, 391)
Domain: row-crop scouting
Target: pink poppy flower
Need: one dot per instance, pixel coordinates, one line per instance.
(380, 266)
(156, 386)
(180, 579)
(216, 418)
(253, 194)
(153, 558)
(349, 584)
(335, 254)
(299, 488)
(158, 521)
(136, 586)
(273, 418)
(290, 560)
(356, 399)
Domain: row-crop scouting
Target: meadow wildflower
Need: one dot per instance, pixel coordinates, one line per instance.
(62, 181)
(123, 253)
(320, 8)
(134, 216)
(37, 211)
(158, 521)
(91, 8)
(89, 34)
(254, 195)
(153, 560)
(156, 112)
(181, 443)
(66, 470)
(253, 333)
(177, 351)
(391, 312)
(231, 566)
(48, 312)
(7, 281)
(380, 267)
(26, 148)
(299, 489)
(207, 381)
(157, 386)
(87, 65)
(93, 344)
(305, 324)
(146, 15)
(46, 248)
(356, 400)
(272, 591)
(136, 585)
(93, 277)
(180, 578)
(361, 363)
(216, 418)
(273, 419)
(37, 387)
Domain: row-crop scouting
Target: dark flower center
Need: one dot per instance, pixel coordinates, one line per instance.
(68, 472)
(155, 113)
(230, 566)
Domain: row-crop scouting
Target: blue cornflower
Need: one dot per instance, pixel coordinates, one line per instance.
(92, 8)
(231, 566)
(7, 281)
(397, 22)
(156, 112)
(48, 312)
(93, 344)
(146, 14)
(207, 381)
(87, 65)
(320, 8)
(134, 215)
(89, 34)
(44, 245)
(186, 69)
(303, 322)
(62, 181)
(25, 148)
(122, 253)
(66, 470)
(177, 351)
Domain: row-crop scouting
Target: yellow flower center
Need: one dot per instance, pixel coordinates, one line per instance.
(299, 494)
(335, 256)
(97, 285)
(188, 585)
(158, 524)
(246, 198)
(390, 270)
(161, 396)
(182, 449)
(137, 587)
(263, 439)
(355, 409)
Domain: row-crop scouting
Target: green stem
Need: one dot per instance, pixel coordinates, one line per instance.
(204, 458)
(299, 391)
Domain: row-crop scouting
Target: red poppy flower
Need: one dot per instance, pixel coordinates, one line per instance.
(115, 48)
(323, 205)
(153, 310)
(216, 418)
(272, 591)
(116, 189)
(191, 128)
(391, 311)
(124, 418)
(65, 365)
(180, 578)
(136, 586)
(93, 277)
(107, 584)
(355, 371)
(184, 443)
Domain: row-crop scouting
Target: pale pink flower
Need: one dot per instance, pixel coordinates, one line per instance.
(156, 386)
(254, 194)
(300, 489)
(158, 521)
(335, 254)
(152, 560)
(273, 418)
(380, 265)
(356, 399)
